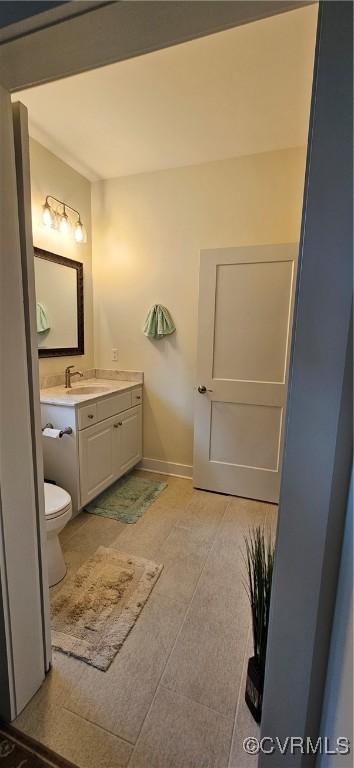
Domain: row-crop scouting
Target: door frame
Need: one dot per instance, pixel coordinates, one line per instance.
(61, 48)
(77, 45)
(318, 440)
(115, 31)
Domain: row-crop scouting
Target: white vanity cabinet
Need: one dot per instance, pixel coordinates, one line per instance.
(107, 450)
(105, 443)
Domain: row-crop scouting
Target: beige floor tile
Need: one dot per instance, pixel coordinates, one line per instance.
(183, 555)
(203, 513)
(119, 699)
(47, 720)
(72, 527)
(206, 662)
(169, 479)
(272, 517)
(87, 745)
(145, 537)
(173, 499)
(177, 678)
(37, 717)
(97, 531)
(178, 733)
(154, 535)
(81, 742)
(248, 512)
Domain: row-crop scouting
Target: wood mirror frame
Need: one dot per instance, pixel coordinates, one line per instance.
(78, 266)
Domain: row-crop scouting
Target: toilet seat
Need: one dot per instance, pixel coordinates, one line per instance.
(57, 501)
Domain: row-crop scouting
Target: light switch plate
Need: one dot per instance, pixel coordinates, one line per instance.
(115, 355)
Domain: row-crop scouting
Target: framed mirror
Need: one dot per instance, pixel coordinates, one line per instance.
(59, 304)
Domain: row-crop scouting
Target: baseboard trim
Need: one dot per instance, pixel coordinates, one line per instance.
(166, 468)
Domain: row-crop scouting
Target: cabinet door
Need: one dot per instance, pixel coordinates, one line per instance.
(128, 439)
(97, 465)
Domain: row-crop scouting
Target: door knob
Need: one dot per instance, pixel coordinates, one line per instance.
(202, 389)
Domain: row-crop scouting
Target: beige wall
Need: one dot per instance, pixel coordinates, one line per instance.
(50, 175)
(148, 231)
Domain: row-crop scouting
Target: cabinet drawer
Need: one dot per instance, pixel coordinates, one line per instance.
(87, 415)
(112, 405)
(137, 396)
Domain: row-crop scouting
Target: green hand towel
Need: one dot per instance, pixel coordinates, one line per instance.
(158, 323)
(42, 320)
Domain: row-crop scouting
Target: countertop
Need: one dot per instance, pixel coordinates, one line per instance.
(61, 396)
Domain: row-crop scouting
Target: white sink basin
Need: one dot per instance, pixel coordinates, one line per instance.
(89, 390)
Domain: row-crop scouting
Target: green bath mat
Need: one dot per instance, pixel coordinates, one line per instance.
(127, 499)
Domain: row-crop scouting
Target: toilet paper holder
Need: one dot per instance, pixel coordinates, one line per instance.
(66, 431)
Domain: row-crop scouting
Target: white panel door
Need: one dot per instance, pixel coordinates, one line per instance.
(22, 621)
(128, 439)
(245, 315)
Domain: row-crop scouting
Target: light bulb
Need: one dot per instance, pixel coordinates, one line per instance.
(79, 232)
(47, 215)
(63, 223)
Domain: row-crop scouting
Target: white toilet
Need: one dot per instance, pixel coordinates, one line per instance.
(58, 512)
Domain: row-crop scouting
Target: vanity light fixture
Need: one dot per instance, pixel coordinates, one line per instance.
(55, 215)
(48, 216)
(79, 232)
(64, 224)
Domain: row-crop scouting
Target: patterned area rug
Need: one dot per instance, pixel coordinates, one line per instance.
(17, 750)
(94, 611)
(127, 499)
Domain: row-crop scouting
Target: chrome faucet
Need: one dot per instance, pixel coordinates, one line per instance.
(69, 375)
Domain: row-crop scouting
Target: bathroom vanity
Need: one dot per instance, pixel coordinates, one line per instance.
(105, 418)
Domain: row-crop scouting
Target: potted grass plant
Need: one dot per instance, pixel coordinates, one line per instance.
(259, 559)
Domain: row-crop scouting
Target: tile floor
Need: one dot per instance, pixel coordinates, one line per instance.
(174, 695)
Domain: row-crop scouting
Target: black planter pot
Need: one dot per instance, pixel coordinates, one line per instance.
(254, 689)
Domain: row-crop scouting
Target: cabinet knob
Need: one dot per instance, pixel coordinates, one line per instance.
(90, 416)
(138, 397)
(120, 424)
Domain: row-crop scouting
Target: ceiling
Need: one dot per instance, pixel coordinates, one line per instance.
(237, 92)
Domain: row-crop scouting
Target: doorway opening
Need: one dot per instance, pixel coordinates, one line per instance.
(197, 147)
